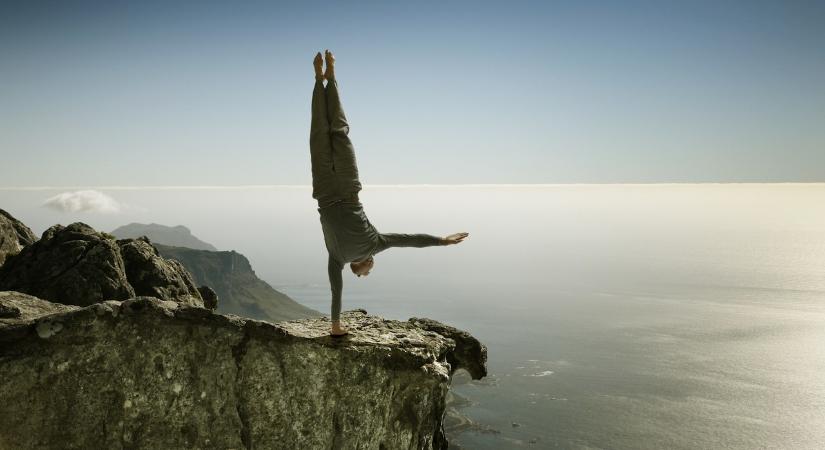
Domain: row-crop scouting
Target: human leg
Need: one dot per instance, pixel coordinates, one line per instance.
(343, 152)
(324, 181)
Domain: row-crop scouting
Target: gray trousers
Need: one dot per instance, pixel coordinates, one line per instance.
(334, 169)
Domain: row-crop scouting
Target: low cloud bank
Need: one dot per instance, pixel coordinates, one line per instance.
(84, 201)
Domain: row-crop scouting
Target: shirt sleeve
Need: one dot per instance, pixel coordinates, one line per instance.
(409, 240)
(336, 283)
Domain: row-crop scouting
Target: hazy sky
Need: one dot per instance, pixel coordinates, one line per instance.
(156, 93)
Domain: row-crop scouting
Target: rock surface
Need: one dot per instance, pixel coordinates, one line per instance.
(14, 235)
(146, 373)
(22, 308)
(154, 276)
(239, 289)
(76, 265)
(210, 297)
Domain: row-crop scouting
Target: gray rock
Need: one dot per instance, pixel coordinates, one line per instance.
(76, 265)
(9, 311)
(73, 265)
(146, 373)
(154, 276)
(27, 307)
(470, 353)
(14, 235)
(210, 298)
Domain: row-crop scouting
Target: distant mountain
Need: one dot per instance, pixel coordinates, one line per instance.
(179, 236)
(239, 290)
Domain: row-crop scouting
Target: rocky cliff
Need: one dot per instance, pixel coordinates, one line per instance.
(124, 356)
(240, 290)
(146, 373)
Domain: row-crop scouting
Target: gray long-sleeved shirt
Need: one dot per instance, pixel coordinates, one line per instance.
(349, 236)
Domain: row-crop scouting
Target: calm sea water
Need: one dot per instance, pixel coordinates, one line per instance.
(615, 316)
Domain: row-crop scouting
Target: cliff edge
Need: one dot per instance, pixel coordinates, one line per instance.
(148, 373)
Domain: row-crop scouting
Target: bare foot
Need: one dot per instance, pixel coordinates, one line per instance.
(330, 58)
(337, 330)
(318, 63)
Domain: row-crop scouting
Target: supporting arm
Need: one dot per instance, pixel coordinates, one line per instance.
(336, 283)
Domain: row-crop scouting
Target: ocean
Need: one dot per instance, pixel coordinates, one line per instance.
(675, 316)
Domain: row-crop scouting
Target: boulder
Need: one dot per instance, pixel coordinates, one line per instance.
(76, 265)
(73, 265)
(152, 275)
(14, 235)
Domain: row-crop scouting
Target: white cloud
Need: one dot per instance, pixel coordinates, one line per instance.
(84, 201)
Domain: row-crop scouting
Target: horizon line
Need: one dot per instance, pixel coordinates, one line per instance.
(404, 185)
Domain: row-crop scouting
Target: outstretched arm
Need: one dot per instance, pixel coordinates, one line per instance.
(336, 283)
(410, 240)
(420, 240)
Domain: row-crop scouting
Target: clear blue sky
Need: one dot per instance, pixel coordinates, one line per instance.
(155, 93)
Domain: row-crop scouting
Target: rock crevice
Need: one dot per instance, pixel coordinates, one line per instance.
(238, 353)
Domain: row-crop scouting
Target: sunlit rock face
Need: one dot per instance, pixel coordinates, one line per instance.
(14, 235)
(147, 373)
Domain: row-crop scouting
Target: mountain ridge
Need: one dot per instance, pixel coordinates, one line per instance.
(239, 289)
(178, 235)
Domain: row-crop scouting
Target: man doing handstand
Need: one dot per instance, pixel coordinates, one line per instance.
(348, 234)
